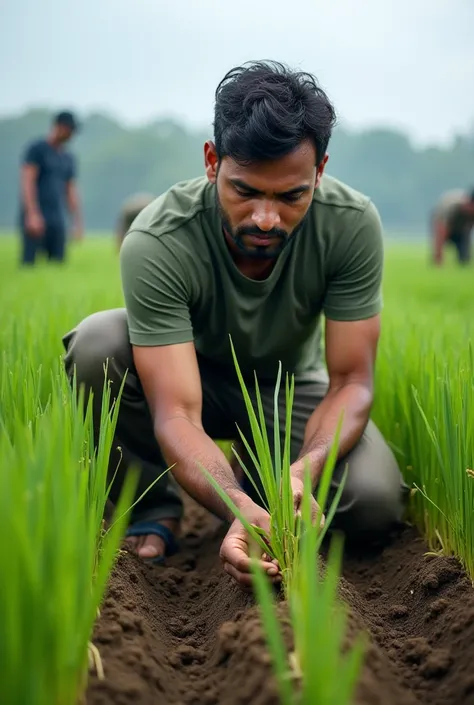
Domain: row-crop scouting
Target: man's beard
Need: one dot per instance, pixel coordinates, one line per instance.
(280, 237)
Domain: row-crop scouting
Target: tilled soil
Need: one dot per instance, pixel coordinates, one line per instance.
(185, 634)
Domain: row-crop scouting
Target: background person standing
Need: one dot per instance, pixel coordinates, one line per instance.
(48, 190)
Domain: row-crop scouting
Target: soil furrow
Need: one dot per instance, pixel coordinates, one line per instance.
(184, 634)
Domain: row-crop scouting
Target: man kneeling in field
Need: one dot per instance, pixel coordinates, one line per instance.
(258, 249)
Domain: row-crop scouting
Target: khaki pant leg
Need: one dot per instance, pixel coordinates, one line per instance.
(102, 337)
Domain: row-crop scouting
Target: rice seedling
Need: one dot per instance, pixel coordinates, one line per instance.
(319, 669)
(57, 554)
(274, 471)
(319, 620)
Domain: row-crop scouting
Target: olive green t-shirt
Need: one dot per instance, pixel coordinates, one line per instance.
(180, 282)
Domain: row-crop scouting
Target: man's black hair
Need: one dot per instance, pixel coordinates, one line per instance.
(66, 118)
(264, 110)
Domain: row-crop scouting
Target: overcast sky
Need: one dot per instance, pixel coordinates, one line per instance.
(407, 63)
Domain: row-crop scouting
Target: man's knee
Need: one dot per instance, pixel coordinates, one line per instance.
(373, 499)
(375, 511)
(100, 339)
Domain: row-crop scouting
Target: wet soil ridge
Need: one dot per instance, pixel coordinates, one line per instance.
(184, 634)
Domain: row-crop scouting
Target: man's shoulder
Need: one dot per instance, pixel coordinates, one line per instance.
(449, 200)
(41, 142)
(344, 219)
(338, 197)
(177, 208)
(36, 145)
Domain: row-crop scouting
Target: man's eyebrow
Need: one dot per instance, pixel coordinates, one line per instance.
(245, 187)
(303, 188)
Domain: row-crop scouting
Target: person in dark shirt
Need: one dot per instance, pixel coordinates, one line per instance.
(48, 190)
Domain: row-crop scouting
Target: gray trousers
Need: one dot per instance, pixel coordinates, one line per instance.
(372, 500)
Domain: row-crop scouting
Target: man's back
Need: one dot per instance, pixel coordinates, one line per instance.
(55, 167)
(176, 258)
(450, 210)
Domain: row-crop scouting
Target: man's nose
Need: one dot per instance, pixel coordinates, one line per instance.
(266, 216)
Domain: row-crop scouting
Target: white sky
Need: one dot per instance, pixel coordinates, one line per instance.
(405, 63)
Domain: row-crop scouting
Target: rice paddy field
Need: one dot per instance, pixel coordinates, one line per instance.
(84, 621)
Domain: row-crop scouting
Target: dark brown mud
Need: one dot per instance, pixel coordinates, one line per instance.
(184, 634)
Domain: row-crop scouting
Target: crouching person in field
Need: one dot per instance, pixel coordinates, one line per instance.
(258, 249)
(451, 223)
(131, 208)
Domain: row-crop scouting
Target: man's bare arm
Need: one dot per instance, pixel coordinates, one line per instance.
(172, 386)
(350, 353)
(34, 221)
(29, 176)
(74, 205)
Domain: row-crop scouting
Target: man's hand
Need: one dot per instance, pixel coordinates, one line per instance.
(297, 486)
(78, 233)
(34, 224)
(234, 551)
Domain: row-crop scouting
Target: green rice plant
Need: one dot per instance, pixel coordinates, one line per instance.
(274, 473)
(319, 669)
(39, 305)
(57, 555)
(425, 407)
(446, 486)
(319, 621)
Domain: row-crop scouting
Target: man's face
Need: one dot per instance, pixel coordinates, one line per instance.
(64, 133)
(263, 205)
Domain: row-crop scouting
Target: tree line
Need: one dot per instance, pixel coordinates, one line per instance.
(114, 160)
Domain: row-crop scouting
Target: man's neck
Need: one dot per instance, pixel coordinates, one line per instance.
(53, 141)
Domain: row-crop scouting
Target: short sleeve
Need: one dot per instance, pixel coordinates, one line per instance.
(32, 155)
(156, 291)
(354, 286)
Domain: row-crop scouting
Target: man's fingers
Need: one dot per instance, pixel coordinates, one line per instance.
(245, 580)
(316, 512)
(322, 519)
(241, 562)
(268, 559)
(235, 556)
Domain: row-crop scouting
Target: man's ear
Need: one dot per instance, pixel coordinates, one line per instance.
(211, 161)
(320, 171)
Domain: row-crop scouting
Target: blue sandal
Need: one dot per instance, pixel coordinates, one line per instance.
(143, 528)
